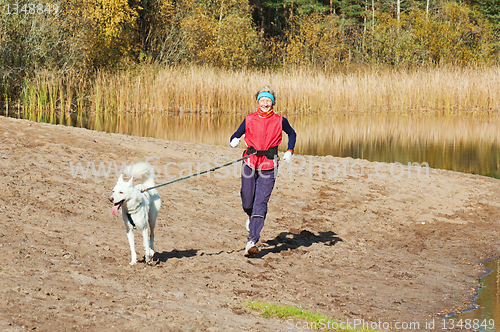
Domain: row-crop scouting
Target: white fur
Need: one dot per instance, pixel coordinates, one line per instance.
(142, 207)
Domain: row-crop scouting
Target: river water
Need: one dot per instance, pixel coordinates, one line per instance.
(487, 314)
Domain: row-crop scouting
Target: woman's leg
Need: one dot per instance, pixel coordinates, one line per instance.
(248, 177)
(264, 184)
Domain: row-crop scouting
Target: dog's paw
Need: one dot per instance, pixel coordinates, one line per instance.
(133, 262)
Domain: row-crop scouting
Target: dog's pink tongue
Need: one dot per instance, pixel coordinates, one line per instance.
(114, 209)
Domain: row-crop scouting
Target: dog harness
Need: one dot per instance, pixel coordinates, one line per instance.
(129, 217)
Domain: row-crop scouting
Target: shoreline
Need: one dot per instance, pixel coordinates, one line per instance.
(387, 249)
(487, 272)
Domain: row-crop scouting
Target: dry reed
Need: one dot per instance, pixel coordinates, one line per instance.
(199, 89)
(151, 88)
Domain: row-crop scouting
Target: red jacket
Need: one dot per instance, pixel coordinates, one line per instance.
(262, 134)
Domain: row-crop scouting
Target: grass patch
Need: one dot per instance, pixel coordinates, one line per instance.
(302, 319)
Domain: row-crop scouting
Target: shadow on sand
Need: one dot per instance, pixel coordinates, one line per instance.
(293, 240)
(164, 256)
(283, 242)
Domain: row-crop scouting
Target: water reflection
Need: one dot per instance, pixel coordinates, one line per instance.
(460, 142)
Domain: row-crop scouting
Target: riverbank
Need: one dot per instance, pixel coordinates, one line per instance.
(375, 246)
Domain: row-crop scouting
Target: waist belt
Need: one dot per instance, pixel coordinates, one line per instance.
(270, 153)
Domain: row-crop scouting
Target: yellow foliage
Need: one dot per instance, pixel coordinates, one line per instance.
(458, 36)
(221, 33)
(316, 40)
(454, 35)
(115, 25)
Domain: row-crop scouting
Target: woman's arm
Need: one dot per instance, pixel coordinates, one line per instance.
(292, 135)
(240, 131)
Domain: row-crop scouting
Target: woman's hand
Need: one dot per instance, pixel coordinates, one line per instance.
(234, 142)
(288, 156)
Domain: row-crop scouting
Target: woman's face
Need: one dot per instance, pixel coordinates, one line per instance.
(265, 104)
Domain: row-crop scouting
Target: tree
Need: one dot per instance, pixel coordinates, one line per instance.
(220, 33)
(115, 23)
(490, 9)
(273, 17)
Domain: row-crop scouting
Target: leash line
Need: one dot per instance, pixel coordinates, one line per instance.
(198, 174)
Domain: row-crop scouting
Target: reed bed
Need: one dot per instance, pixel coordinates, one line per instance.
(151, 89)
(208, 90)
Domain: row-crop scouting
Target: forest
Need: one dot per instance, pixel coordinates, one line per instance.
(82, 38)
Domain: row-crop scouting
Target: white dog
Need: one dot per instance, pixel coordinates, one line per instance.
(138, 209)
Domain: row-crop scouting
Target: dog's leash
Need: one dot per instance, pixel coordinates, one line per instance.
(198, 174)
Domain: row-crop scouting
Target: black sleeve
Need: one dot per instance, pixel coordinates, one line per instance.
(292, 135)
(239, 132)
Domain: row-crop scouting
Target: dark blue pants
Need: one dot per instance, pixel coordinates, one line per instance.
(256, 189)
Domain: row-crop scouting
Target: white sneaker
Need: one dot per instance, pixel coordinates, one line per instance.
(251, 249)
(247, 224)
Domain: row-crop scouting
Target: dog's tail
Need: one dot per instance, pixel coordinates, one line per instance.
(145, 171)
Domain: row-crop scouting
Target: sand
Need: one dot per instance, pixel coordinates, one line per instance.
(376, 248)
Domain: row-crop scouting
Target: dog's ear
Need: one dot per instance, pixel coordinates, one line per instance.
(130, 182)
(120, 179)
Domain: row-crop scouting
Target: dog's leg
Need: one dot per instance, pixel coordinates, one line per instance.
(152, 234)
(130, 237)
(153, 214)
(148, 256)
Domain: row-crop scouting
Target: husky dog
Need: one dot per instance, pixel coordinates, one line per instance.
(138, 209)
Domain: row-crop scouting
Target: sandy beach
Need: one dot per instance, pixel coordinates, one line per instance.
(349, 238)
